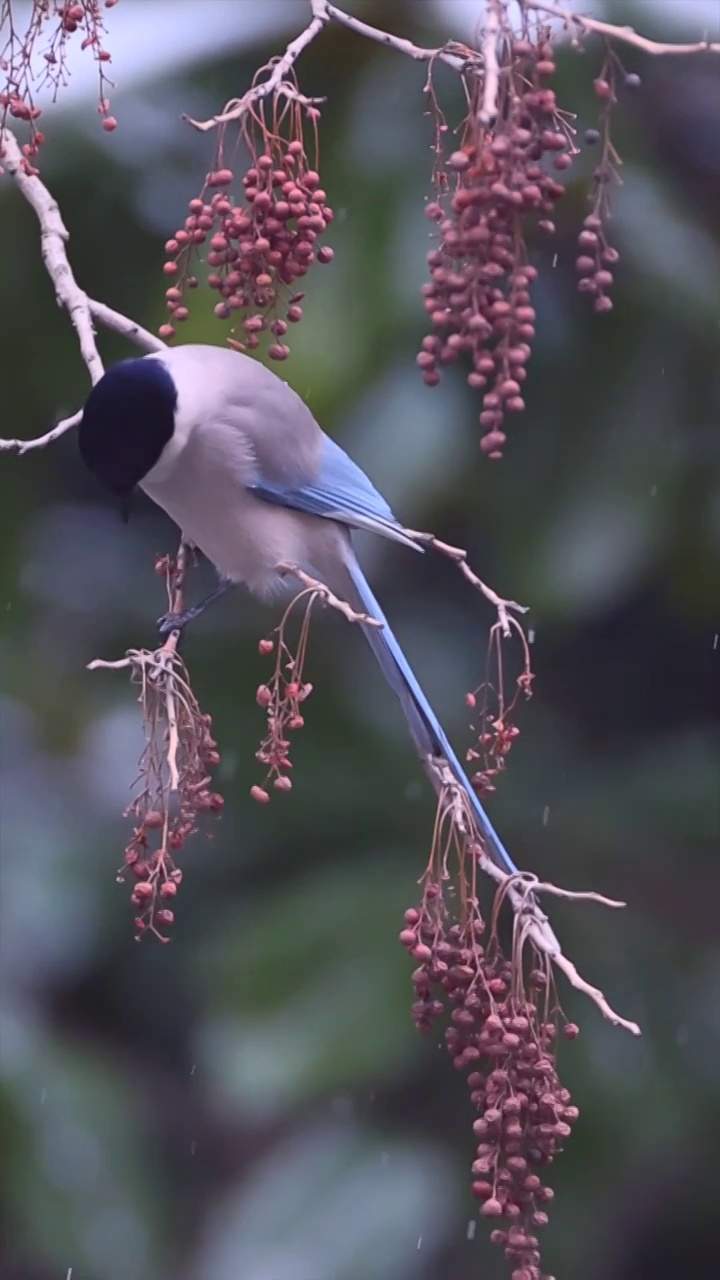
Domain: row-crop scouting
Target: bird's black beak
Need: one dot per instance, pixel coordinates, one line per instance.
(125, 505)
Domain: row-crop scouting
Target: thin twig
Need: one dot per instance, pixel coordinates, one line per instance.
(460, 558)
(320, 589)
(117, 664)
(280, 70)
(582, 25)
(24, 446)
(578, 982)
(177, 592)
(576, 895)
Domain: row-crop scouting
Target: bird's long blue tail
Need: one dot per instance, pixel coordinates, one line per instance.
(425, 728)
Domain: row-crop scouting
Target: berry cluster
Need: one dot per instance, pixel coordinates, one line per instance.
(596, 256)
(282, 699)
(593, 264)
(498, 1035)
(495, 729)
(50, 25)
(258, 249)
(502, 180)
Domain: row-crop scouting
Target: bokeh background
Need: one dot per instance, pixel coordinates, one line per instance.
(252, 1102)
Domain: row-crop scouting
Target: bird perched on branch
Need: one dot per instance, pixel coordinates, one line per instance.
(236, 459)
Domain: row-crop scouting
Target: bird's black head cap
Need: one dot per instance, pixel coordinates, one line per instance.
(127, 420)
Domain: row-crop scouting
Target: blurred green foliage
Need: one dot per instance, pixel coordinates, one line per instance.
(252, 1101)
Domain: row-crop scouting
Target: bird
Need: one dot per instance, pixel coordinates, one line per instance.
(237, 460)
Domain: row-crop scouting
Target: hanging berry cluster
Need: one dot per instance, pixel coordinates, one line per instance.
(281, 699)
(262, 243)
(501, 181)
(43, 40)
(502, 1034)
(596, 256)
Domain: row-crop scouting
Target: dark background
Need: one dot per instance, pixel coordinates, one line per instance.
(252, 1102)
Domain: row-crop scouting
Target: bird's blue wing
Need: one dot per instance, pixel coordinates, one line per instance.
(342, 492)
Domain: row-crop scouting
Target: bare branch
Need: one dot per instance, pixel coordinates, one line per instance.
(491, 79)
(454, 54)
(53, 238)
(81, 309)
(281, 68)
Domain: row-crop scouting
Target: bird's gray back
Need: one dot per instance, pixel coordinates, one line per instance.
(221, 387)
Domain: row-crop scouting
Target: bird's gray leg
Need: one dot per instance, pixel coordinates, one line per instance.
(178, 621)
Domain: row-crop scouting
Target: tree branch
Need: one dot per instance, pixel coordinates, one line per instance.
(453, 53)
(442, 54)
(582, 25)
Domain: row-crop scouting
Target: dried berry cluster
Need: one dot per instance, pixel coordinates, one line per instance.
(501, 1036)
(494, 744)
(259, 248)
(501, 181)
(46, 31)
(164, 823)
(156, 875)
(495, 730)
(174, 780)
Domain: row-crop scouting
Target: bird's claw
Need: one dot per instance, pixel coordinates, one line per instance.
(171, 622)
